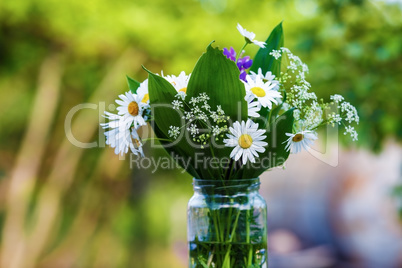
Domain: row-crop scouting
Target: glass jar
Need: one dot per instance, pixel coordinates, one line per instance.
(227, 224)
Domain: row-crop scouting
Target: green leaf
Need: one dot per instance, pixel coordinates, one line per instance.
(218, 76)
(133, 85)
(161, 95)
(275, 154)
(265, 61)
(175, 151)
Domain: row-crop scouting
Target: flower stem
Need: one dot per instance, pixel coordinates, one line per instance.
(241, 51)
(213, 155)
(229, 170)
(226, 262)
(250, 253)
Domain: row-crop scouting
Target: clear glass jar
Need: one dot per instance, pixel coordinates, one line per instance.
(227, 224)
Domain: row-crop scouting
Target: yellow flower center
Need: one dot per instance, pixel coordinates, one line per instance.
(136, 143)
(146, 98)
(133, 108)
(245, 141)
(298, 137)
(184, 89)
(259, 92)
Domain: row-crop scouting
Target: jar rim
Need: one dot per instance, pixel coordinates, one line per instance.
(231, 185)
(216, 180)
(231, 182)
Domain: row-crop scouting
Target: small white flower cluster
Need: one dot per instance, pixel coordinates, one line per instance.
(351, 130)
(298, 93)
(313, 115)
(275, 53)
(334, 119)
(177, 105)
(295, 63)
(174, 132)
(309, 113)
(347, 115)
(218, 116)
(337, 98)
(350, 112)
(193, 129)
(198, 116)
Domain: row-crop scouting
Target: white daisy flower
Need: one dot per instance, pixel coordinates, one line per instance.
(131, 108)
(114, 120)
(136, 144)
(253, 107)
(179, 83)
(143, 93)
(123, 139)
(119, 139)
(267, 77)
(263, 91)
(301, 139)
(249, 36)
(247, 140)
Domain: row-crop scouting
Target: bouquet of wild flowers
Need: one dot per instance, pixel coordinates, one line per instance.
(232, 117)
(227, 122)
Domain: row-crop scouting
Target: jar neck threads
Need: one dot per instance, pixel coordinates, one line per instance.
(225, 187)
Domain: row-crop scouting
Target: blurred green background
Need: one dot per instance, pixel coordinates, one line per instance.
(65, 206)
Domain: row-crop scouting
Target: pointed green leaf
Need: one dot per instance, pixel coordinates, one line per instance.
(161, 95)
(218, 76)
(265, 61)
(133, 85)
(176, 152)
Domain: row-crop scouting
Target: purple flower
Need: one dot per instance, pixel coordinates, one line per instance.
(242, 63)
(230, 54)
(243, 75)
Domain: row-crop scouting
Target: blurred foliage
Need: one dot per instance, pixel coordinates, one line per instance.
(106, 220)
